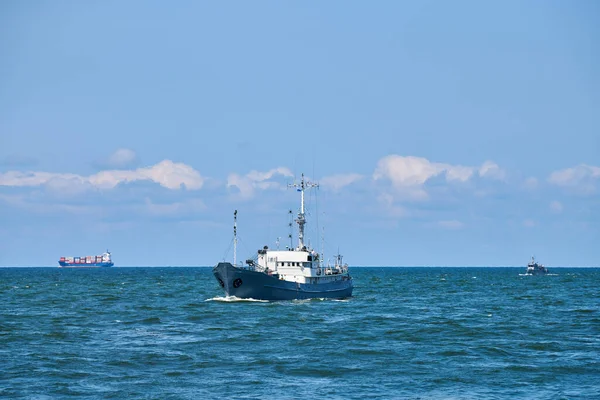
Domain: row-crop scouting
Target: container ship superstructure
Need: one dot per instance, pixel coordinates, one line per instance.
(103, 260)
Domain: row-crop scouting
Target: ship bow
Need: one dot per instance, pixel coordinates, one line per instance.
(222, 272)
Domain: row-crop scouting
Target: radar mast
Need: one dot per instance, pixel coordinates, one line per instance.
(301, 220)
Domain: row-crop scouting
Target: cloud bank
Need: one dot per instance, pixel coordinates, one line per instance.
(166, 173)
(247, 184)
(408, 170)
(581, 178)
(408, 174)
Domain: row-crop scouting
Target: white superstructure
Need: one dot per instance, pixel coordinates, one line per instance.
(300, 264)
(106, 257)
(533, 268)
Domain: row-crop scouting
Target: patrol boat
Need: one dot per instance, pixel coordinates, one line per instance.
(533, 268)
(295, 273)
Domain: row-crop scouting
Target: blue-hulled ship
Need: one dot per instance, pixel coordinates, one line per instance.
(294, 273)
(102, 261)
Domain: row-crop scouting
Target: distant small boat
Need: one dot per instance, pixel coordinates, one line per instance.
(533, 268)
(102, 261)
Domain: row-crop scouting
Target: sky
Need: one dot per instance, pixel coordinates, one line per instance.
(460, 133)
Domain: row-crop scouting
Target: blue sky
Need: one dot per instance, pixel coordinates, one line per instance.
(441, 133)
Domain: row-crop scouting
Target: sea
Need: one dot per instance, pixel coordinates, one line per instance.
(407, 333)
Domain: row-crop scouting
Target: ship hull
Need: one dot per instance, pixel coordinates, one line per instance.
(536, 272)
(62, 264)
(247, 284)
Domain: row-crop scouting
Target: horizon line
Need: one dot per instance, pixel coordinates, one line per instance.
(355, 266)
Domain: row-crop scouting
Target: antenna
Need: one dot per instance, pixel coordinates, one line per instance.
(234, 236)
(301, 187)
(316, 195)
(316, 206)
(290, 226)
(323, 245)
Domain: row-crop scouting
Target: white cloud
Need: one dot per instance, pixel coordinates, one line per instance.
(244, 185)
(263, 176)
(581, 178)
(458, 173)
(166, 173)
(248, 183)
(408, 174)
(529, 223)
(556, 207)
(122, 158)
(18, 178)
(451, 224)
(393, 210)
(406, 171)
(491, 170)
(338, 181)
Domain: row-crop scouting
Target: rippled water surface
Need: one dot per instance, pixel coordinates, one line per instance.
(167, 333)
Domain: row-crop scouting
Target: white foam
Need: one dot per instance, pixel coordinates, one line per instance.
(233, 299)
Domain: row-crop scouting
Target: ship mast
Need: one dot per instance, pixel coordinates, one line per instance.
(303, 185)
(234, 236)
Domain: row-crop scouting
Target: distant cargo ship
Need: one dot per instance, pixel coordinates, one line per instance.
(103, 260)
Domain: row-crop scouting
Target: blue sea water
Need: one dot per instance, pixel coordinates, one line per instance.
(407, 333)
